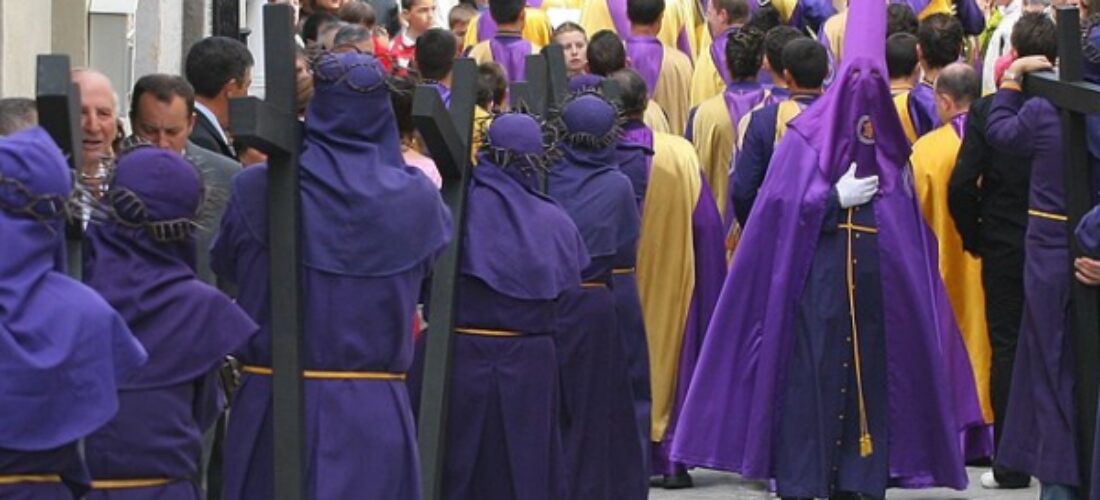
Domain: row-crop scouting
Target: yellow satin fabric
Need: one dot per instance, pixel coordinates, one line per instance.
(834, 29)
(656, 119)
(932, 160)
(482, 53)
(715, 142)
(666, 266)
(562, 4)
(10, 479)
(937, 7)
(536, 29)
(673, 87)
(901, 103)
(126, 484)
(706, 82)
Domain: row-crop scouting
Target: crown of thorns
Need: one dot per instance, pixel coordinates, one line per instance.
(17, 199)
(526, 163)
(328, 68)
(586, 140)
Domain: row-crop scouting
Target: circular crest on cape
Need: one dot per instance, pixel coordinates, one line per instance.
(865, 130)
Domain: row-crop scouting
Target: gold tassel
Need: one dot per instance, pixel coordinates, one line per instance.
(866, 447)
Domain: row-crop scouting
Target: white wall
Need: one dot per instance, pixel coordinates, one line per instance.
(25, 32)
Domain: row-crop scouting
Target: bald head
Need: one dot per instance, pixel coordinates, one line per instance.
(957, 87)
(98, 115)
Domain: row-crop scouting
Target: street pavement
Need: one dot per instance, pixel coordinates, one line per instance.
(712, 485)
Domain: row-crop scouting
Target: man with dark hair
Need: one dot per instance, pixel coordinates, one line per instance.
(901, 62)
(900, 18)
(805, 65)
(939, 43)
(714, 124)
(933, 160)
(681, 243)
(667, 72)
(772, 72)
(17, 113)
(677, 28)
(219, 68)
(435, 58)
(508, 42)
(1007, 197)
(711, 73)
(606, 53)
(162, 112)
(537, 27)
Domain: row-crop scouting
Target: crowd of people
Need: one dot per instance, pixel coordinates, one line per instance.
(823, 245)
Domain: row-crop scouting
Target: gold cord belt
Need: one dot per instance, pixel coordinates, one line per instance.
(329, 375)
(124, 484)
(622, 270)
(593, 284)
(9, 479)
(1047, 215)
(487, 332)
(866, 446)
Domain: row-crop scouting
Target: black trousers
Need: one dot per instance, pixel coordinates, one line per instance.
(1003, 282)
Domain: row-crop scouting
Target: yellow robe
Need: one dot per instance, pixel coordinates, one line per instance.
(932, 161)
(706, 82)
(715, 141)
(656, 119)
(536, 29)
(666, 266)
(673, 86)
(834, 29)
(679, 15)
(901, 103)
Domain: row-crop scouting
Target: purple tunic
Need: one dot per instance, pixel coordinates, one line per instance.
(710, 272)
(361, 294)
(511, 51)
(922, 108)
(764, 322)
(602, 441)
(1039, 435)
(186, 326)
(617, 9)
(62, 347)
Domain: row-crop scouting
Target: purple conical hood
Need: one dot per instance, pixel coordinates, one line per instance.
(856, 120)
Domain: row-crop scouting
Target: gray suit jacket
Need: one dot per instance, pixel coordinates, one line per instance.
(217, 173)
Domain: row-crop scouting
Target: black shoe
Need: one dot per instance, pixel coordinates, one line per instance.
(657, 481)
(678, 481)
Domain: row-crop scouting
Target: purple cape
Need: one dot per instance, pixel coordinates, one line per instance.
(635, 157)
(62, 347)
(511, 51)
(617, 9)
(744, 357)
(646, 55)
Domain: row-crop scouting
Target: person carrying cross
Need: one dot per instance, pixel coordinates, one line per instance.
(371, 229)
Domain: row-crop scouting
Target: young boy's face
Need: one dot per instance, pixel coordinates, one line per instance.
(420, 16)
(459, 29)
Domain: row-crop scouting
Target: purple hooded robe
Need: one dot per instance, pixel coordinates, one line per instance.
(186, 326)
(774, 392)
(62, 347)
(371, 228)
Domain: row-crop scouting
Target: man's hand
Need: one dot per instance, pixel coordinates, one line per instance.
(1029, 64)
(1087, 270)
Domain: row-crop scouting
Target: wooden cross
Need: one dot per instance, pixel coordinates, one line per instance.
(448, 136)
(272, 127)
(58, 103)
(1074, 99)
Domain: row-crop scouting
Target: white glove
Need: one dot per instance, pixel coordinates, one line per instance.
(853, 192)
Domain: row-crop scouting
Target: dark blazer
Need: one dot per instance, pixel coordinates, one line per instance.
(217, 175)
(206, 135)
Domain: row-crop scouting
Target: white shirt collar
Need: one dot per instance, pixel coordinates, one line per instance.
(212, 118)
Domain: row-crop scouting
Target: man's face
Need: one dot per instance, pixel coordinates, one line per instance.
(239, 88)
(98, 116)
(459, 30)
(715, 20)
(421, 16)
(166, 125)
(575, 46)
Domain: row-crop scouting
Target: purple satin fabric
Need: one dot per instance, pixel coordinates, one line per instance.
(646, 55)
(635, 157)
(958, 124)
(511, 51)
(752, 333)
(617, 8)
(486, 26)
(718, 51)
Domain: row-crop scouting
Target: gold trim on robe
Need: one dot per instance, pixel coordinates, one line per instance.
(933, 160)
(666, 266)
(536, 29)
(656, 119)
(595, 16)
(901, 103)
(482, 53)
(706, 82)
(834, 29)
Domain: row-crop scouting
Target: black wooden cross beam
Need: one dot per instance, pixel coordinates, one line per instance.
(272, 126)
(448, 136)
(58, 103)
(1075, 99)
(537, 89)
(557, 79)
